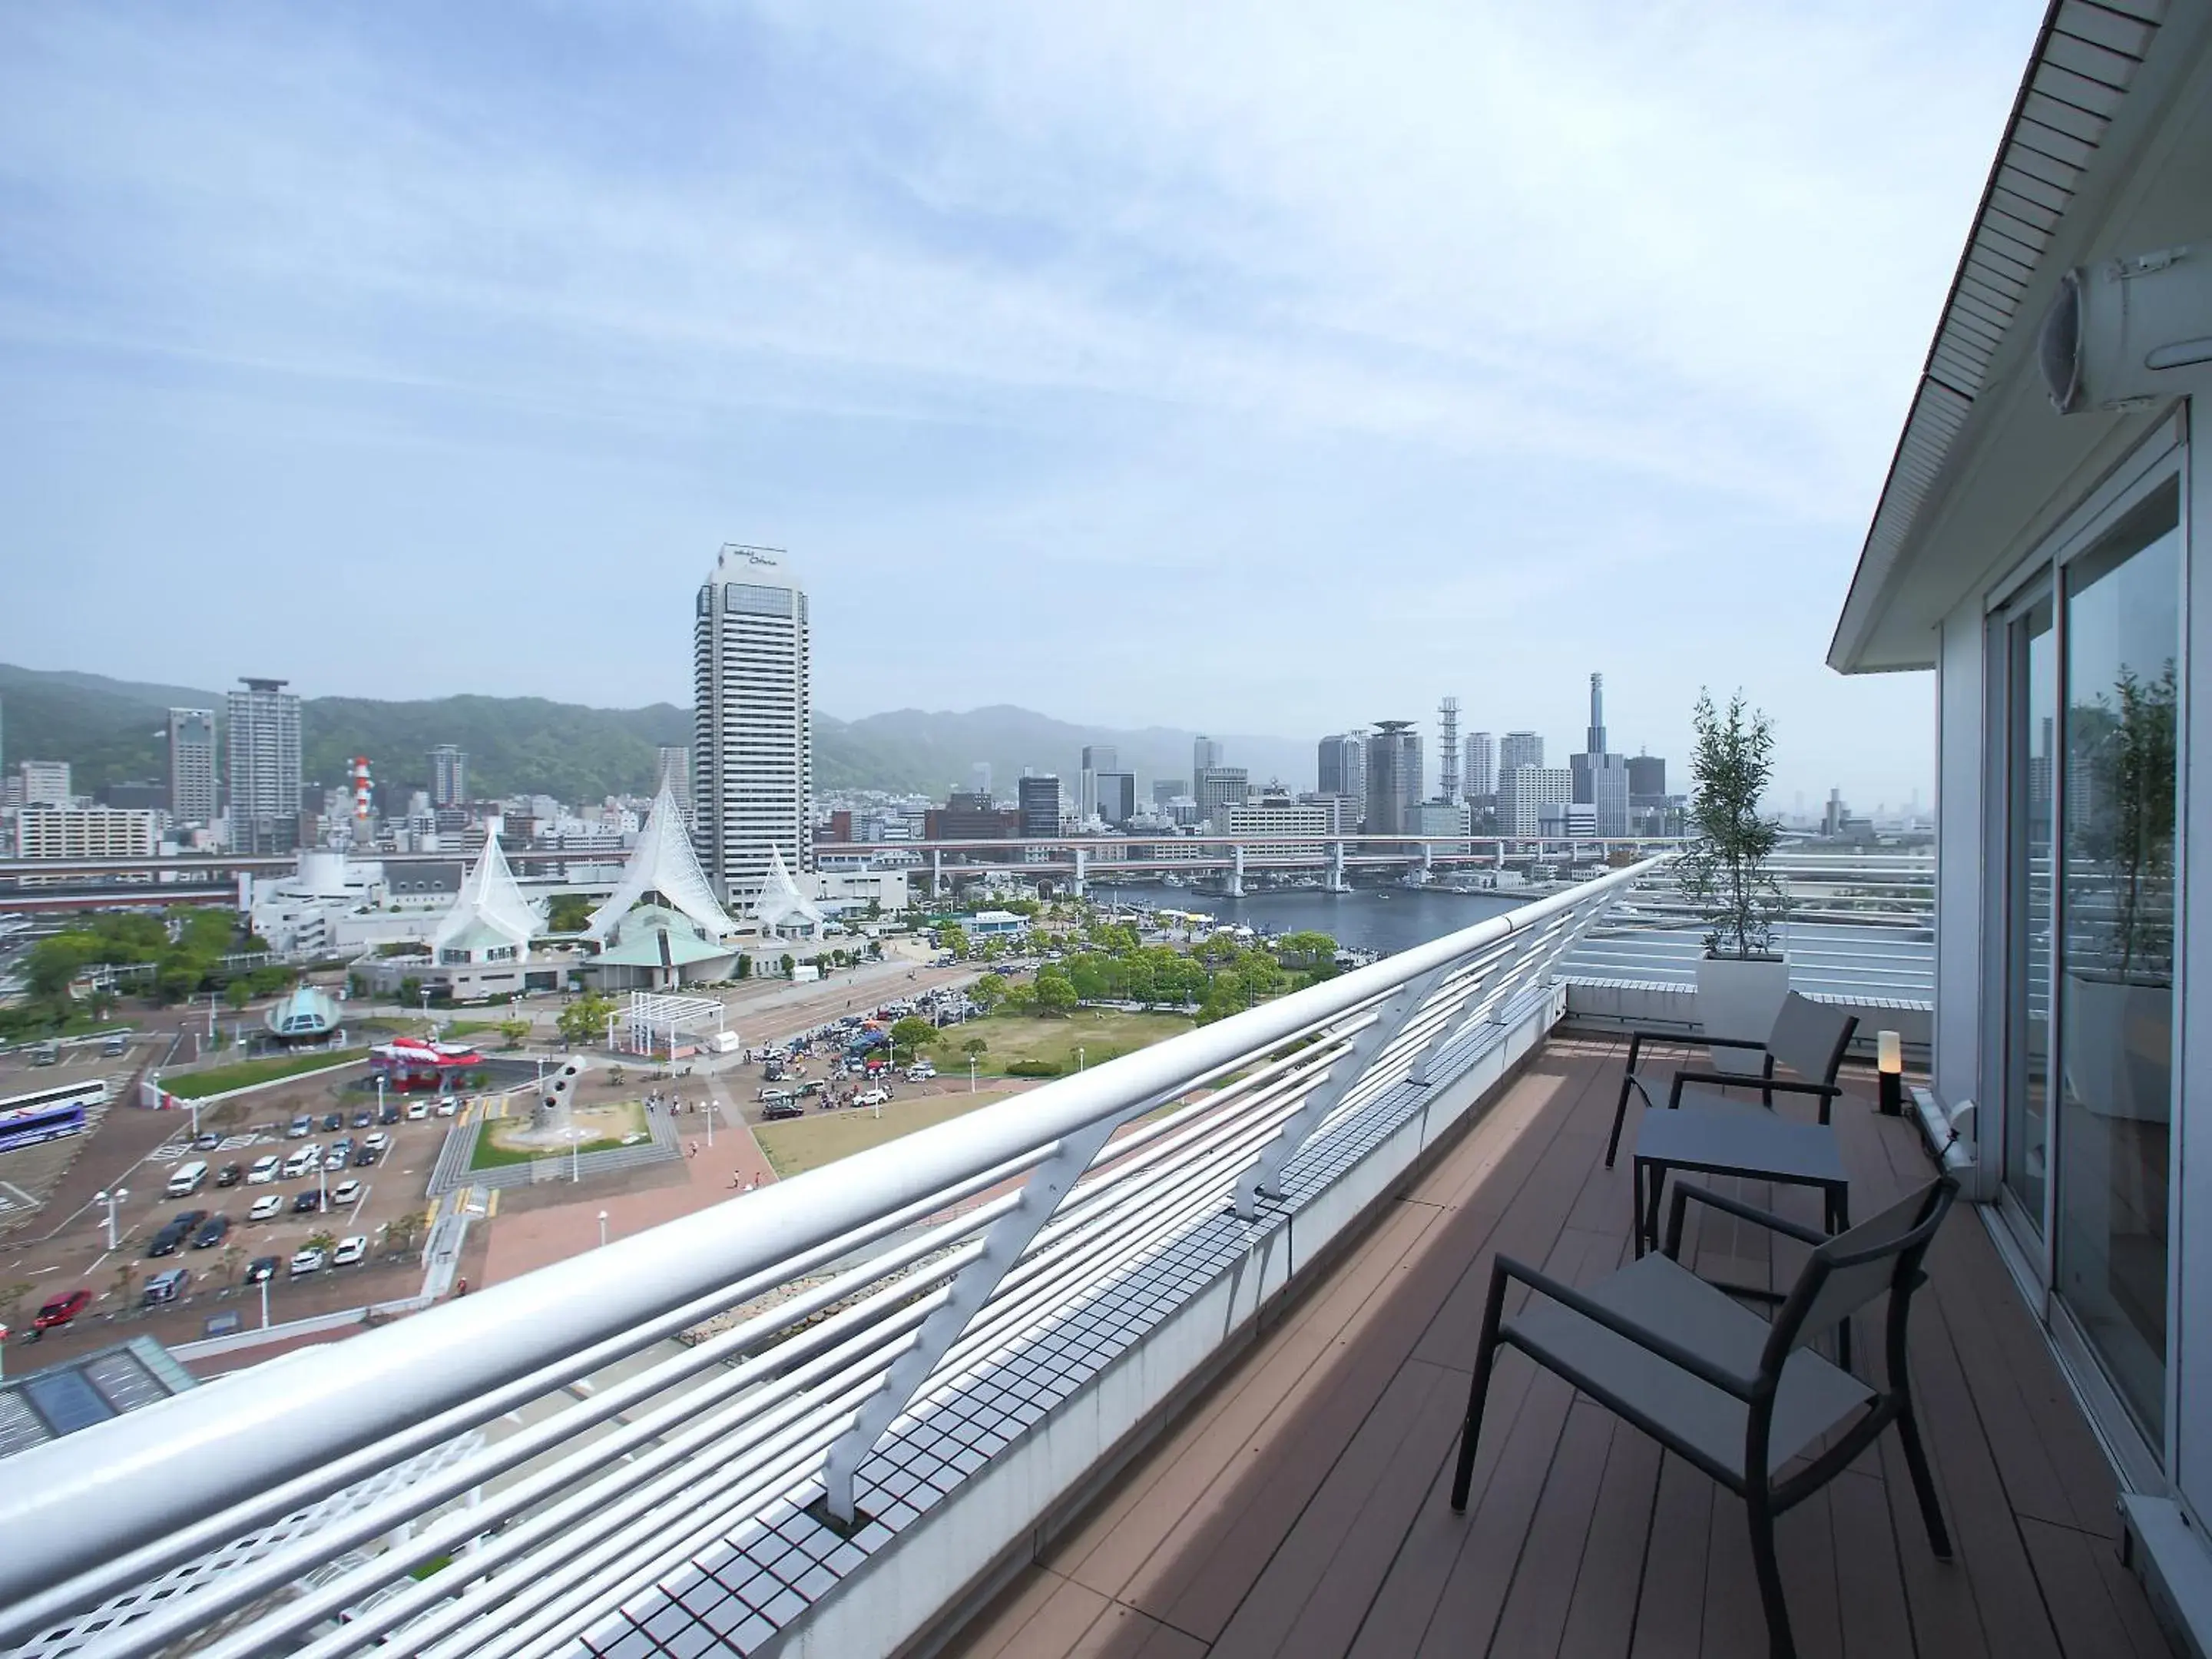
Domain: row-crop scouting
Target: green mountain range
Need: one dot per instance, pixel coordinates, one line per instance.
(114, 731)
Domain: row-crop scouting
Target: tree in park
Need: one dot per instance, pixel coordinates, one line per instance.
(787, 964)
(514, 1030)
(910, 1036)
(988, 992)
(322, 1239)
(585, 1020)
(126, 1275)
(12, 1299)
(1055, 993)
(237, 993)
(974, 1048)
(233, 1253)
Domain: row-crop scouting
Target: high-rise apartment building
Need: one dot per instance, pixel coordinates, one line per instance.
(672, 772)
(752, 749)
(1205, 755)
(192, 765)
(1393, 777)
(449, 775)
(43, 783)
(1481, 763)
(1518, 749)
(264, 767)
(1343, 765)
(1526, 794)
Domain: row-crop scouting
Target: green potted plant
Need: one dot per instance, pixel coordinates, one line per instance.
(1741, 976)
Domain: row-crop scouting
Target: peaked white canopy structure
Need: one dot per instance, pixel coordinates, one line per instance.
(663, 862)
(781, 904)
(490, 912)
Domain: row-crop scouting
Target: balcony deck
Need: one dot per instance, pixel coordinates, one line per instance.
(1298, 1506)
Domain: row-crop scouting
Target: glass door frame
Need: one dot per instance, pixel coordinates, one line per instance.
(2161, 457)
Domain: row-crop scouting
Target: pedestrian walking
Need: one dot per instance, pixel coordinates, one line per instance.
(752, 1181)
(694, 1151)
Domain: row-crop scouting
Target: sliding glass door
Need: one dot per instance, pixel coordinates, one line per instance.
(2088, 657)
(2118, 839)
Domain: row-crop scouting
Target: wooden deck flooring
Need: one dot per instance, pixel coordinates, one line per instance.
(1298, 1506)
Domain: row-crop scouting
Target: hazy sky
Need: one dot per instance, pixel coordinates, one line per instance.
(1249, 367)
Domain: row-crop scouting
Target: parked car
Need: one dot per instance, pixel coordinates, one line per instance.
(165, 1286)
(364, 1116)
(872, 1098)
(267, 1208)
(230, 1174)
(261, 1268)
(263, 1170)
(346, 1192)
(211, 1232)
(364, 1158)
(114, 1046)
(59, 1311)
(417, 1110)
(349, 1252)
(921, 1071)
(338, 1157)
(778, 1110)
(308, 1203)
(389, 1113)
(376, 1142)
(205, 1142)
(333, 1120)
(302, 1125)
(303, 1162)
(448, 1106)
(307, 1260)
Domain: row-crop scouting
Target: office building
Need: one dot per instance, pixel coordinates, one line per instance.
(1525, 792)
(1167, 789)
(1217, 789)
(1482, 774)
(264, 767)
(979, 777)
(43, 783)
(87, 832)
(672, 772)
(1440, 817)
(1038, 801)
(192, 797)
(1116, 797)
(1519, 749)
(752, 748)
(1393, 777)
(1599, 778)
(1205, 755)
(1647, 776)
(1096, 757)
(1290, 827)
(449, 775)
(1344, 764)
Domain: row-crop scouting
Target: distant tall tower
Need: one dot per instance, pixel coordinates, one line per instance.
(264, 767)
(1096, 757)
(1448, 762)
(672, 772)
(752, 751)
(192, 765)
(1205, 755)
(364, 807)
(1393, 777)
(1343, 766)
(1482, 764)
(449, 775)
(1597, 744)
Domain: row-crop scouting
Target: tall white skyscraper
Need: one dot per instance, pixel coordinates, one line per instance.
(264, 767)
(1204, 754)
(449, 775)
(192, 765)
(752, 751)
(1482, 764)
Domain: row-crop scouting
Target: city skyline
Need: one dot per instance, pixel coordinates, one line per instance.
(1148, 328)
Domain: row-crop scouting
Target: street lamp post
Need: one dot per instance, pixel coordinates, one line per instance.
(264, 1305)
(971, 1074)
(603, 1230)
(120, 1195)
(1078, 1056)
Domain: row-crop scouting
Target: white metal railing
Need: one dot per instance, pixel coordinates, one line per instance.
(1857, 924)
(605, 1455)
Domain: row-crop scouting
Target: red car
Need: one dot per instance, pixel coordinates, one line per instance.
(63, 1308)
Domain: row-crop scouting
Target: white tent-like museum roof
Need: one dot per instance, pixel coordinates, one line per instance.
(781, 904)
(663, 862)
(489, 910)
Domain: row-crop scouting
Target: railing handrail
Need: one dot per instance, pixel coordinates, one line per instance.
(73, 1504)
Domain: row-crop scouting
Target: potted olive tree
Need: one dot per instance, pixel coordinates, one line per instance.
(1742, 977)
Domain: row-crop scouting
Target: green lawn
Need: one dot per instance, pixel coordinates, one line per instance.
(221, 1080)
(807, 1143)
(489, 1156)
(1103, 1034)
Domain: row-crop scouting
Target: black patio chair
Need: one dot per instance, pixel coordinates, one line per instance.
(1713, 1382)
(1808, 1037)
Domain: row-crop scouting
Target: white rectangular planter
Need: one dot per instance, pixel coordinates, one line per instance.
(1738, 997)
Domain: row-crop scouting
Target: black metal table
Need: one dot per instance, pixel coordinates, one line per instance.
(1752, 1142)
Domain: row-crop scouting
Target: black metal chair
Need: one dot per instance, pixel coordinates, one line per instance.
(1808, 1037)
(1713, 1382)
